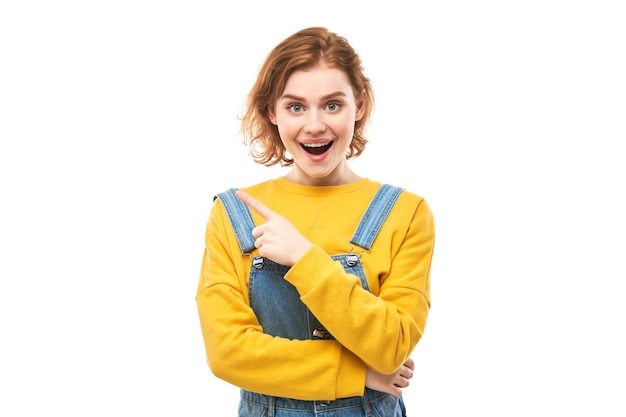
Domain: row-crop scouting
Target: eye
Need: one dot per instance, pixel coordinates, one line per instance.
(334, 106)
(295, 107)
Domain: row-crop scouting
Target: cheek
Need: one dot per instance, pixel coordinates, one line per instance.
(285, 136)
(347, 128)
(285, 130)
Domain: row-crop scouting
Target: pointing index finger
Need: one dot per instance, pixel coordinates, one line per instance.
(255, 204)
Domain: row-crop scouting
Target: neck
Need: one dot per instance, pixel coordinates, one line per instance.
(341, 176)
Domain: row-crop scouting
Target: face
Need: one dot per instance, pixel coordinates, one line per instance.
(315, 117)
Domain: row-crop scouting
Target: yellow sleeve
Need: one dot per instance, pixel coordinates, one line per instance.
(237, 349)
(382, 329)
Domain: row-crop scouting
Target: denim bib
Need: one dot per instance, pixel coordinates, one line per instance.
(277, 303)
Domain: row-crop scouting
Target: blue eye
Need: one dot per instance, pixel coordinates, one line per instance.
(296, 108)
(333, 106)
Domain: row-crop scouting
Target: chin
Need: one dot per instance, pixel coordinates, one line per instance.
(318, 175)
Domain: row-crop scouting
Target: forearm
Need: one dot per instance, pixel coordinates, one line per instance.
(380, 331)
(382, 327)
(240, 353)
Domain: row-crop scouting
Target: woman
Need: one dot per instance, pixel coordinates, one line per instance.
(314, 288)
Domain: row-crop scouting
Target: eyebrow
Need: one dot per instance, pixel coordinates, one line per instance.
(326, 97)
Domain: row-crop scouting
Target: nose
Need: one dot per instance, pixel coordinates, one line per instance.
(315, 123)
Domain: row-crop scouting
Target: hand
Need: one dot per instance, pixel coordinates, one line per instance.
(392, 383)
(276, 239)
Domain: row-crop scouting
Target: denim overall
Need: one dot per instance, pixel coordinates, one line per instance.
(291, 319)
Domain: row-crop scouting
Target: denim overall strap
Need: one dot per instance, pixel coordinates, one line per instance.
(375, 216)
(240, 218)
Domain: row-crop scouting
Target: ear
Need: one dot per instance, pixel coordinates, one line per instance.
(272, 115)
(360, 106)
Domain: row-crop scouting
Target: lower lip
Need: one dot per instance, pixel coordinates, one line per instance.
(317, 158)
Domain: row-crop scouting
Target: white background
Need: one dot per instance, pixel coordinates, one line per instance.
(117, 118)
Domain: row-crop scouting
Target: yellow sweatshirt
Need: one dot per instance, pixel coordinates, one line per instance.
(377, 329)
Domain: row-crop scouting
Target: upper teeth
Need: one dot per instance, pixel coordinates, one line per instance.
(315, 145)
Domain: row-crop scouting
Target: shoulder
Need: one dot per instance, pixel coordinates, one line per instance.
(405, 196)
(411, 204)
(253, 190)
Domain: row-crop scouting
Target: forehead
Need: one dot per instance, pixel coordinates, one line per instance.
(318, 80)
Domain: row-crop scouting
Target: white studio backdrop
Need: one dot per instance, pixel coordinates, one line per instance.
(118, 124)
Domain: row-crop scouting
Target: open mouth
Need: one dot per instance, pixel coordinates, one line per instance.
(316, 148)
